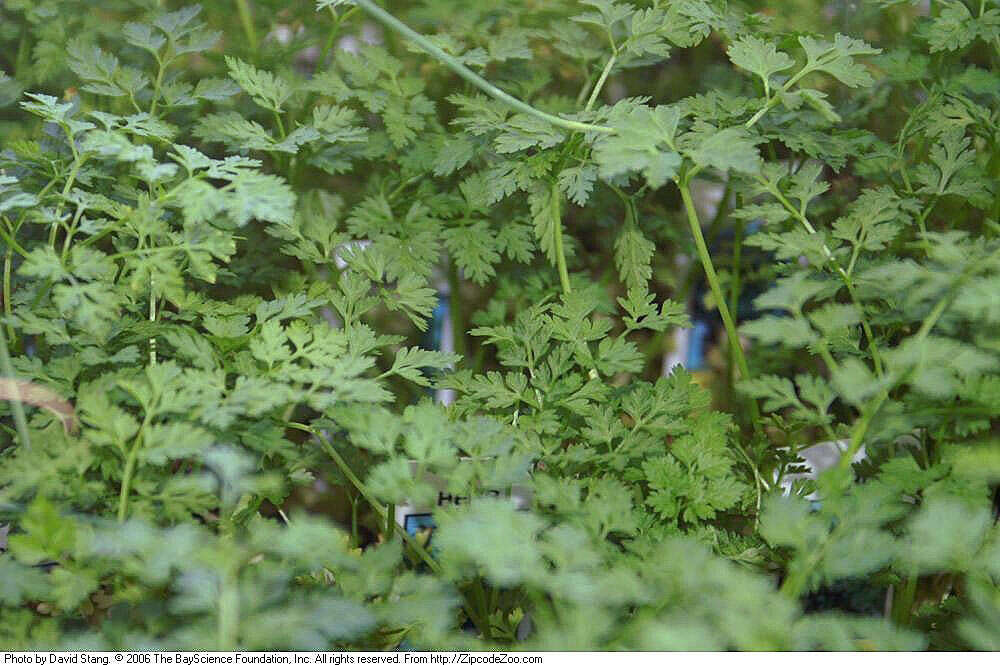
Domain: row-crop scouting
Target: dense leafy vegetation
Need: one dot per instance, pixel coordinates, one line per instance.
(229, 247)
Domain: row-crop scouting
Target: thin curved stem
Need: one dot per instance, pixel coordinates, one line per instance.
(589, 79)
(161, 69)
(475, 79)
(365, 493)
(601, 81)
(8, 309)
(845, 275)
(773, 100)
(70, 181)
(152, 319)
(861, 428)
(338, 19)
(386, 516)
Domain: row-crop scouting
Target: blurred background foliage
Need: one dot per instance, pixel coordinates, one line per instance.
(262, 568)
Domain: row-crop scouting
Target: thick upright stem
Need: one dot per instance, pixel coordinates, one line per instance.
(713, 282)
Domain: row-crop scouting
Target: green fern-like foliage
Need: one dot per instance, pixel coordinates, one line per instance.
(230, 245)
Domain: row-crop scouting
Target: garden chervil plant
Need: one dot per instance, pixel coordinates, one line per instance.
(243, 261)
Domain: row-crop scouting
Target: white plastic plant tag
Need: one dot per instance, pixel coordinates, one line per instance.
(415, 519)
(818, 458)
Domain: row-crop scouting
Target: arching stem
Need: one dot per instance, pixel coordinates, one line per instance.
(475, 79)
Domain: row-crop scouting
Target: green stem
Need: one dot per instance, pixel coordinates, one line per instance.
(279, 123)
(464, 72)
(8, 309)
(156, 86)
(734, 291)
(861, 428)
(716, 287)
(824, 353)
(398, 189)
(74, 171)
(328, 45)
(845, 275)
(152, 319)
(12, 244)
(586, 86)
(903, 597)
(600, 82)
(455, 310)
(773, 101)
(70, 233)
(127, 474)
(560, 253)
(246, 18)
(795, 582)
(760, 114)
(384, 515)
(922, 223)
(338, 20)
(865, 326)
(355, 539)
(362, 489)
(20, 421)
